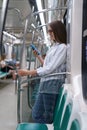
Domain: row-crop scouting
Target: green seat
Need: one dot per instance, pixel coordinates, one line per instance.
(38, 126)
(3, 74)
(75, 125)
(31, 126)
(66, 117)
(59, 112)
(58, 100)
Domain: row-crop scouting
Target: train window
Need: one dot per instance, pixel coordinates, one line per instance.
(30, 55)
(84, 50)
(16, 50)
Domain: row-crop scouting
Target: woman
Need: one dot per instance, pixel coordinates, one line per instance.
(54, 62)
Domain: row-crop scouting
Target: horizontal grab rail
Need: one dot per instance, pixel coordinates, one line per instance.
(38, 77)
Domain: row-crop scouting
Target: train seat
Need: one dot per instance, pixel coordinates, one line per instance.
(60, 99)
(66, 117)
(61, 116)
(61, 110)
(75, 110)
(70, 113)
(75, 125)
(31, 126)
(71, 107)
(38, 126)
(3, 74)
(58, 113)
(64, 89)
(81, 118)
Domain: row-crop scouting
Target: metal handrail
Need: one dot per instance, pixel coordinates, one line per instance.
(38, 77)
(29, 79)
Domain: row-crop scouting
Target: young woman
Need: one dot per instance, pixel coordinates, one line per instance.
(54, 62)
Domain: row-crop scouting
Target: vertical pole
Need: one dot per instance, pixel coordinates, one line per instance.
(3, 20)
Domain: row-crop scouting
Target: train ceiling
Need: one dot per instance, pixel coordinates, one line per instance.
(19, 10)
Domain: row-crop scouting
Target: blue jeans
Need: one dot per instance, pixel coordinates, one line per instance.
(43, 108)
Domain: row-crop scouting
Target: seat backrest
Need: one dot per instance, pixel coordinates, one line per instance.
(75, 125)
(66, 116)
(59, 99)
(74, 114)
(59, 111)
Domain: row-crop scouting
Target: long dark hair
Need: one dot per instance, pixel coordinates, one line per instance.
(59, 31)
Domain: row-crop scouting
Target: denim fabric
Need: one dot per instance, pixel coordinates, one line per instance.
(50, 86)
(43, 108)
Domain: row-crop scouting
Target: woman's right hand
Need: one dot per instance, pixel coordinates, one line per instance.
(22, 72)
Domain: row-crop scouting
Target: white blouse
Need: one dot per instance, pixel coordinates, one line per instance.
(54, 62)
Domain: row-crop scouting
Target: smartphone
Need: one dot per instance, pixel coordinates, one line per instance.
(34, 48)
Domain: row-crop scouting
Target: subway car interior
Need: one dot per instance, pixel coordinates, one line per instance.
(23, 28)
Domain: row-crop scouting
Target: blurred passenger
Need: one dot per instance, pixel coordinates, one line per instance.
(12, 62)
(4, 67)
(54, 62)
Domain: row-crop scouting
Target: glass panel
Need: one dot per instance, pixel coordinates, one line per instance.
(84, 50)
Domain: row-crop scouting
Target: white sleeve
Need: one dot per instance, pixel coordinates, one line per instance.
(56, 61)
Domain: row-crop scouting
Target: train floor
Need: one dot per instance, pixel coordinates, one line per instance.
(8, 105)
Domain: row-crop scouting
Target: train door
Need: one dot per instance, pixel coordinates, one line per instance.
(84, 50)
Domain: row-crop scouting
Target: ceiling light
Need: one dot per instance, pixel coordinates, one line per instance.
(9, 35)
(39, 5)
